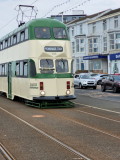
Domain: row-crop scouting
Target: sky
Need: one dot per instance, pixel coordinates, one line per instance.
(46, 8)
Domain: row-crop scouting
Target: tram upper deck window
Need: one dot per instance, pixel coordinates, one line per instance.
(61, 65)
(22, 36)
(1, 45)
(14, 39)
(42, 32)
(60, 33)
(46, 66)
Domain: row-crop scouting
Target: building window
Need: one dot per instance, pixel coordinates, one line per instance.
(97, 65)
(116, 22)
(94, 27)
(117, 41)
(105, 44)
(81, 40)
(73, 47)
(90, 45)
(77, 64)
(104, 25)
(72, 31)
(93, 44)
(114, 41)
(82, 49)
(111, 36)
(77, 45)
(81, 29)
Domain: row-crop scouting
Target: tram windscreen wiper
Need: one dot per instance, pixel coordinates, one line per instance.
(47, 61)
(63, 62)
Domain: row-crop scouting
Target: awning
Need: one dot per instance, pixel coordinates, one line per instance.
(114, 56)
(94, 57)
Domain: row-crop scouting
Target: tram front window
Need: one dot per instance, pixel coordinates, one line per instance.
(59, 33)
(42, 32)
(61, 65)
(46, 66)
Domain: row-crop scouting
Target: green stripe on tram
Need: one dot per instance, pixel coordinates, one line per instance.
(41, 76)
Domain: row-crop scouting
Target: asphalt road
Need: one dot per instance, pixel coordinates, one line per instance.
(91, 128)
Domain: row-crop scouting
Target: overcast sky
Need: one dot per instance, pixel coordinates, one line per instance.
(49, 7)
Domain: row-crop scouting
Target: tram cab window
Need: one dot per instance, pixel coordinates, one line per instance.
(46, 66)
(61, 65)
(42, 32)
(59, 33)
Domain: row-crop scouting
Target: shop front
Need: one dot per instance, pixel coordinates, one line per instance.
(97, 63)
(114, 63)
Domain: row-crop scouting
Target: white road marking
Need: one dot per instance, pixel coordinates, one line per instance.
(96, 108)
(98, 116)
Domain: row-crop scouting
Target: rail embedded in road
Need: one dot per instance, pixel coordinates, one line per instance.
(5, 154)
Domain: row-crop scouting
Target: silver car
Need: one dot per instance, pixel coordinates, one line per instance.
(84, 81)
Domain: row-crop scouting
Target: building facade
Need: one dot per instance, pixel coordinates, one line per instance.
(95, 42)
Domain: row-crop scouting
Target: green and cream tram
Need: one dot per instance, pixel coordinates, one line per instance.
(36, 62)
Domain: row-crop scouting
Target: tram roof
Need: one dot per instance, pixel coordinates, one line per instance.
(42, 22)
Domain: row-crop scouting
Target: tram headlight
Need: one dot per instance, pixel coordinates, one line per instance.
(68, 92)
(42, 93)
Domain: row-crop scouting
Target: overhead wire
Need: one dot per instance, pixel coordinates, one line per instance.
(14, 18)
(76, 6)
(56, 6)
(71, 8)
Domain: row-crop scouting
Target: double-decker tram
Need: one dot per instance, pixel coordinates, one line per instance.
(36, 63)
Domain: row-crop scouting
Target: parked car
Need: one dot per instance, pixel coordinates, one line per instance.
(98, 77)
(111, 82)
(84, 80)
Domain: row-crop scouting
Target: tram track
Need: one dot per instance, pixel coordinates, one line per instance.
(5, 153)
(69, 117)
(60, 143)
(83, 124)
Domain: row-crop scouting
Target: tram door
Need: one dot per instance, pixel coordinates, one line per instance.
(10, 80)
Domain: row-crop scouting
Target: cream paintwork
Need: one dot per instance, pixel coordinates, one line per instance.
(34, 49)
